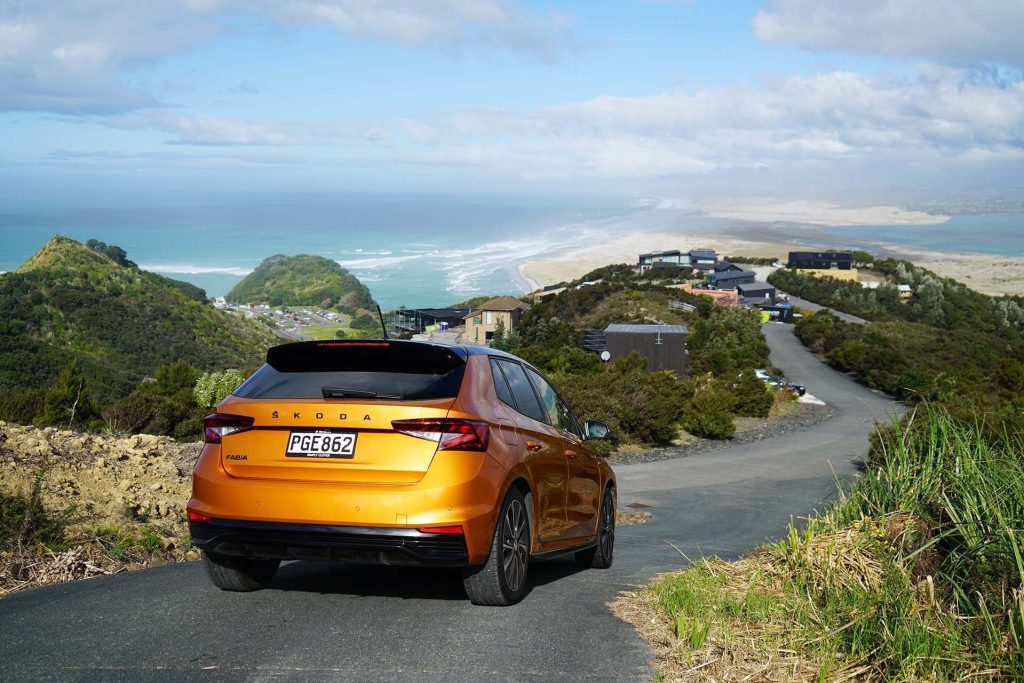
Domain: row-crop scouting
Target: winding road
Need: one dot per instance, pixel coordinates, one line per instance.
(339, 622)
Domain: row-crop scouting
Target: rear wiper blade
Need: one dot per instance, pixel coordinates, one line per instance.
(342, 392)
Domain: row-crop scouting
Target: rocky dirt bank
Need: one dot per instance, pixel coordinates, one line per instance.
(119, 503)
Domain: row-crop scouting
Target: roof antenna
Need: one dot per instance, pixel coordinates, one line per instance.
(382, 325)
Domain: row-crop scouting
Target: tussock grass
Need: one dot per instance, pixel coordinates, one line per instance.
(914, 574)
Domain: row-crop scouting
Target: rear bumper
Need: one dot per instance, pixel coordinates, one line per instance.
(459, 489)
(371, 545)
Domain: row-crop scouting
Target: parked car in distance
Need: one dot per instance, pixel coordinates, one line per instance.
(783, 384)
(399, 452)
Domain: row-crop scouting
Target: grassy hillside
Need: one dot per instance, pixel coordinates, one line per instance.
(303, 280)
(913, 575)
(117, 324)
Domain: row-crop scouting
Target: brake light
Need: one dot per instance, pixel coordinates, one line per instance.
(219, 425)
(450, 435)
(354, 343)
(196, 517)
(456, 529)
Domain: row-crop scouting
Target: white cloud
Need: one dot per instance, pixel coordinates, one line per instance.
(72, 56)
(940, 116)
(952, 31)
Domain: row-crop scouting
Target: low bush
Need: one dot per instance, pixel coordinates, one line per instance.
(25, 522)
(709, 414)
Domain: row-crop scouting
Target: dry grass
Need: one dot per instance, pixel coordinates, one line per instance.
(733, 649)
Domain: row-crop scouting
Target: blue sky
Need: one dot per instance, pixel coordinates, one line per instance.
(797, 98)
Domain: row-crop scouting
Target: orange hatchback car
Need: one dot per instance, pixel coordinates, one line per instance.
(399, 452)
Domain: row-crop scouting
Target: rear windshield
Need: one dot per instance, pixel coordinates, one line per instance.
(414, 372)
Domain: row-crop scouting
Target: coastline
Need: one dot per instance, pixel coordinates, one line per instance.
(990, 274)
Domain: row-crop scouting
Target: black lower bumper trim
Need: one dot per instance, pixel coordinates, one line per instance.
(373, 545)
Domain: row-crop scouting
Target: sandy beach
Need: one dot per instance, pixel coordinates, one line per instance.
(987, 273)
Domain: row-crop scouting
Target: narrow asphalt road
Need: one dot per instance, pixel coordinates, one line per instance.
(323, 621)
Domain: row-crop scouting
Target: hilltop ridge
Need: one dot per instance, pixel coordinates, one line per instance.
(69, 304)
(303, 280)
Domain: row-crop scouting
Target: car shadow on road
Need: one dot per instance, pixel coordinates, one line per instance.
(407, 583)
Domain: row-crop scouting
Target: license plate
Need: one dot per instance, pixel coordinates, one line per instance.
(321, 445)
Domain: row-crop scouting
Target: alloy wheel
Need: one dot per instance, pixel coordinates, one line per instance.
(514, 550)
(607, 534)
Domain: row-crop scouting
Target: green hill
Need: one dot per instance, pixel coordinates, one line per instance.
(303, 280)
(116, 323)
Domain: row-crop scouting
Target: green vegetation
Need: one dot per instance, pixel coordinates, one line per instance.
(25, 522)
(948, 344)
(973, 373)
(213, 387)
(939, 302)
(115, 324)
(303, 280)
(725, 347)
(915, 574)
(129, 544)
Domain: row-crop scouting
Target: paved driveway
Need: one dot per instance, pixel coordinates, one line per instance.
(335, 622)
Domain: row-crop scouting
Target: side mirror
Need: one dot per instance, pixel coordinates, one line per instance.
(596, 430)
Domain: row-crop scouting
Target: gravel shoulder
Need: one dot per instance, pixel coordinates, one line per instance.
(809, 415)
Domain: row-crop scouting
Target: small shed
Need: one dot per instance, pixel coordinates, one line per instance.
(662, 346)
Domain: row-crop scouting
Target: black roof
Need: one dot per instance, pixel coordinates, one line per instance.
(439, 312)
(754, 287)
(703, 253)
(726, 265)
(820, 256)
(734, 274)
(673, 252)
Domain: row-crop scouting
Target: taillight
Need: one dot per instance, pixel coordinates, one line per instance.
(450, 435)
(196, 517)
(219, 425)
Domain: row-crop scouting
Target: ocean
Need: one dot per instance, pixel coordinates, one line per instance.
(412, 251)
(1001, 234)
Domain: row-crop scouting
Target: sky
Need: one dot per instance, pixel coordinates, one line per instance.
(847, 101)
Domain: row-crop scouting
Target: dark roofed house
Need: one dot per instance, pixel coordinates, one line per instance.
(724, 266)
(418, 319)
(673, 257)
(731, 278)
(757, 292)
(705, 256)
(482, 323)
(821, 260)
(662, 346)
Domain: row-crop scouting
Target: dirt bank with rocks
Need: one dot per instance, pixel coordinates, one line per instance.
(122, 500)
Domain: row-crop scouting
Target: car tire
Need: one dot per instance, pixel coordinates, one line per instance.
(600, 556)
(501, 581)
(239, 574)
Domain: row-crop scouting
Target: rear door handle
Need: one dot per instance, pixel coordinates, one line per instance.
(534, 446)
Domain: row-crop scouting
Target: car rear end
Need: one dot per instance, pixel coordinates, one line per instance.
(354, 450)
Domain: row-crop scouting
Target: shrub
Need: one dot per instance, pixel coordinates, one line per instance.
(364, 321)
(753, 397)
(24, 520)
(709, 414)
(22, 405)
(213, 387)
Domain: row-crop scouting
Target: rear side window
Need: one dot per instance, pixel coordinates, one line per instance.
(526, 399)
(501, 386)
(415, 372)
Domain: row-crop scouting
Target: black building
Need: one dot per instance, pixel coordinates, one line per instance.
(662, 346)
(821, 260)
(414, 320)
(729, 279)
(757, 291)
